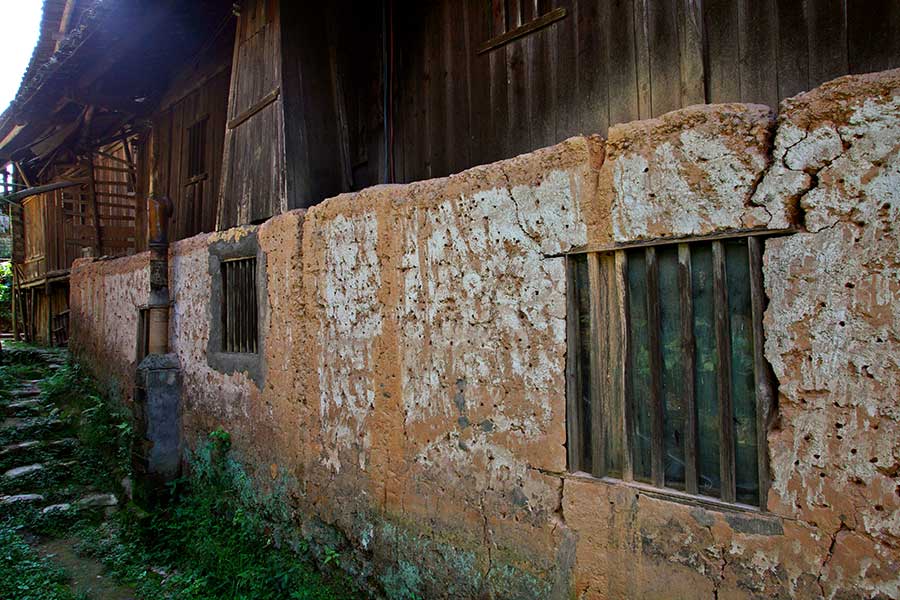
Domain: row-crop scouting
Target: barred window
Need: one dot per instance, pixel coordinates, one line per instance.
(667, 382)
(239, 306)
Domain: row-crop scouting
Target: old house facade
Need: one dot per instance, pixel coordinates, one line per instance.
(656, 355)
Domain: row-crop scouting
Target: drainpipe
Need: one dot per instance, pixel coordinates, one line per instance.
(160, 208)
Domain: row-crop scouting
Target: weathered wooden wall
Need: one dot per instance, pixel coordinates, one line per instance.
(194, 198)
(253, 180)
(607, 62)
(307, 118)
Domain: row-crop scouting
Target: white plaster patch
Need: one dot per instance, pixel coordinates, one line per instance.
(482, 316)
(697, 186)
(351, 318)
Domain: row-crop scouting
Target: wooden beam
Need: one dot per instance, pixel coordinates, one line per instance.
(574, 445)
(626, 393)
(501, 40)
(765, 393)
(723, 349)
(257, 107)
(598, 443)
(687, 353)
(657, 413)
(721, 235)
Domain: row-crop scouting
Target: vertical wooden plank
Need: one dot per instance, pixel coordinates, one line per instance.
(95, 212)
(479, 30)
(642, 56)
(457, 88)
(765, 394)
(542, 75)
(254, 307)
(687, 350)
(437, 90)
(827, 40)
(690, 43)
(657, 462)
(723, 82)
(598, 443)
(793, 49)
(228, 287)
(723, 348)
(758, 41)
(624, 392)
(566, 68)
(620, 51)
(593, 96)
(665, 71)
(574, 444)
(518, 135)
(610, 385)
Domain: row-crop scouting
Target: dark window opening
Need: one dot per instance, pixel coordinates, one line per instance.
(196, 151)
(668, 384)
(239, 306)
(143, 337)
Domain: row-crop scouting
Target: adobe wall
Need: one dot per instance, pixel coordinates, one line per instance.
(104, 300)
(413, 374)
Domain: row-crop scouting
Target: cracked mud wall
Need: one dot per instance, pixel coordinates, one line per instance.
(414, 386)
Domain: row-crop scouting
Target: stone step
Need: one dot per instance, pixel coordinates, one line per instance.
(48, 422)
(98, 501)
(56, 508)
(18, 472)
(26, 392)
(20, 499)
(20, 447)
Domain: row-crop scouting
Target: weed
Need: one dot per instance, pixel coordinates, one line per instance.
(24, 574)
(217, 538)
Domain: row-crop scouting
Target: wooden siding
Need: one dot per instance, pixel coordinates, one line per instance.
(253, 181)
(607, 62)
(194, 198)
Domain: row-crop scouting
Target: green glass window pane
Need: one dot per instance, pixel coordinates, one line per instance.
(583, 288)
(639, 374)
(743, 389)
(705, 368)
(672, 366)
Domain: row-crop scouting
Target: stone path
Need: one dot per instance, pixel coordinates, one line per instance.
(42, 454)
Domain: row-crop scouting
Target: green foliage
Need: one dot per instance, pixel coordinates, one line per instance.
(24, 574)
(218, 538)
(6, 280)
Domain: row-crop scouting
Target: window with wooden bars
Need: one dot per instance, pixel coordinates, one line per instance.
(239, 306)
(667, 381)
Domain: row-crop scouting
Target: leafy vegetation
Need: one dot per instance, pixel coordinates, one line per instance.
(5, 293)
(217, 538)
(24, 574)
(212, 537)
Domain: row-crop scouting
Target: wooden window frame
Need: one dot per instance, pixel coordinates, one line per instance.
(610, 361)
(240, 312)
